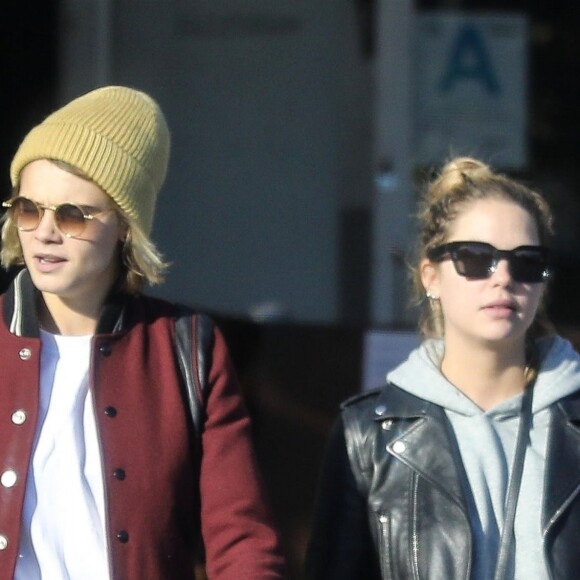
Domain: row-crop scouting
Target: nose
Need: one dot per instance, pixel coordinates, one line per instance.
(46, 230)
(501, 274)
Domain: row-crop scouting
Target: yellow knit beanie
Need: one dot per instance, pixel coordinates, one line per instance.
(117, 136)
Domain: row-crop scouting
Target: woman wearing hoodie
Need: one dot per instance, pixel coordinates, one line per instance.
(467, 463)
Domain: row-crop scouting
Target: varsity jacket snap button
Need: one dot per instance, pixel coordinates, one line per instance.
(119, 474)
(9, 478)
(110, 412)
(123, 536)
(105, 349)
(19, 417)
(25, 353)
(3, 542)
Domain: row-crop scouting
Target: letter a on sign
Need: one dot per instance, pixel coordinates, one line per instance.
(469, 59)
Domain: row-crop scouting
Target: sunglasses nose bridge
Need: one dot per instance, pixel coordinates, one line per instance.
(42, 213)
(499, 256)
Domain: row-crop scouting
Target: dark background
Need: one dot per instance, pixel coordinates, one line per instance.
(294, 375)
(28, 61)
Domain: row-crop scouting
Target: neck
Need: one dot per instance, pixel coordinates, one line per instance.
(487, 376)
(60, 316)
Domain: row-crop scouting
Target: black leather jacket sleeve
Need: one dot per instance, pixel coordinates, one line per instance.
(341, 546)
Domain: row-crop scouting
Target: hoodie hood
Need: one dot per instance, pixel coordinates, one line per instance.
(420, 375)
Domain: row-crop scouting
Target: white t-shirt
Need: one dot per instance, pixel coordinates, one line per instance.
(63, 528)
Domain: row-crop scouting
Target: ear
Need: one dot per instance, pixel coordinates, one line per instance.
(123, 230)
(429, 274)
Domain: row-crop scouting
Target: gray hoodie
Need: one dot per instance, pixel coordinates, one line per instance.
(486, 441)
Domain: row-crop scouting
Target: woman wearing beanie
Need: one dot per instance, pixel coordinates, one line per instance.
(101, 473)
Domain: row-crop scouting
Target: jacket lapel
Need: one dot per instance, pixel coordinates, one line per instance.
(562, 460)
(426, 445)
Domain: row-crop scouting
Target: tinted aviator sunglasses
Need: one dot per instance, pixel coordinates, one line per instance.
(527, 264)
(69, 218)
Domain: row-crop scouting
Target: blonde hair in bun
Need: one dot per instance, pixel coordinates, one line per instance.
(461, 181)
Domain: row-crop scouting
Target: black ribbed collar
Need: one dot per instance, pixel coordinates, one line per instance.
(21, 317)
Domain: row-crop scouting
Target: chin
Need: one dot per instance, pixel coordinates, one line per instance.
(44, 285)
(54, 285)
(54, 289)
(505, 338)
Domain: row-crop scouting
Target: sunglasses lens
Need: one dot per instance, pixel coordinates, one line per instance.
(26, 214)
(528, 265)
(473, 261)
(70, 219)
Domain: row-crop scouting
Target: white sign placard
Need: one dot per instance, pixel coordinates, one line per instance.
(471, 87)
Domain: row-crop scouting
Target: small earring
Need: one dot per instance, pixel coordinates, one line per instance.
(430, 296)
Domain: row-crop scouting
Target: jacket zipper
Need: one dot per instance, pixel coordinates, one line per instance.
(385, 546)
(414, 534)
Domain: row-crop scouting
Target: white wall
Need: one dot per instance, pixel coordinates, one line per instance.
(268, 106)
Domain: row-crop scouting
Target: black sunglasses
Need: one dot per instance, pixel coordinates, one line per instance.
(527, 264)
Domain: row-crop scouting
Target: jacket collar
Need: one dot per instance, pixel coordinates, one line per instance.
(20, 315)
(570, 407)
(429, 448)
(562, 459)
(395, 403)
(444, 469)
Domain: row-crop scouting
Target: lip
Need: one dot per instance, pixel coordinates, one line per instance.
(501, 308)
(48, 262)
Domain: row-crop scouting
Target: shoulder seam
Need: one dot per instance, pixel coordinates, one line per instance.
(360, 397)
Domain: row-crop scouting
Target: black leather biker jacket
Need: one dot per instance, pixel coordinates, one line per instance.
(392, 502)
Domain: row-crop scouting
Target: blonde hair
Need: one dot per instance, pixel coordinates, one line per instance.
(460, 182)
(140, 261)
